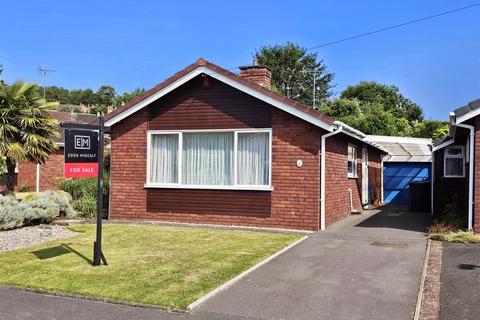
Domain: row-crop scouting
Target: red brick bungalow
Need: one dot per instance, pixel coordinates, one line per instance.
(456, 164)
(209, 146)
(36, 177)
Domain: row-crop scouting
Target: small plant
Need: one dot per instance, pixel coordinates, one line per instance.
(456, 236)
(24, 188)
(449, 227)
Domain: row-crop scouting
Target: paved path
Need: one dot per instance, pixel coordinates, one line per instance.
(460, 282)
(364, 267)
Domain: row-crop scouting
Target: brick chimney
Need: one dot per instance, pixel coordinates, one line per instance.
(259, 74)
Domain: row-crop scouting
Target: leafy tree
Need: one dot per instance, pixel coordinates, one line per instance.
(292, 74)
(64, 108)
(370, 93)
(27, 130)
(105, 95)
(99, 108)
(430, 129)
(127, 96)
(57, 94)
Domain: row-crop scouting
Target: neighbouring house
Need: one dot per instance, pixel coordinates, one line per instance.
(209, 146)
(409, 160)
(456, 166)
(36, 177)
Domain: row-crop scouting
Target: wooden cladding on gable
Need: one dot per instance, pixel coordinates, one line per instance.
(217, 106)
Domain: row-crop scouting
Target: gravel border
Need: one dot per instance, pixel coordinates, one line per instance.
(30, 236)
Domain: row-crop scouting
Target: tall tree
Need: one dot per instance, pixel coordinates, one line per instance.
(376, 108)
(27, 130)
(371, 93)
(127, 96)
(105, 95)
(293, 72)
(57, 94)
(431, 129)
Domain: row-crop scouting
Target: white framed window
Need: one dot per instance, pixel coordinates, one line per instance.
(454, 162)
(210, 159)
(351, 161)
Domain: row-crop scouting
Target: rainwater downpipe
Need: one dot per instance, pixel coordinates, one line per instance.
(37, 179)
(471, 145)
(322, 177)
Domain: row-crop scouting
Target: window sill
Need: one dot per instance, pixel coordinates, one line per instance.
(454, 177)
(352, 177)
(178, 186)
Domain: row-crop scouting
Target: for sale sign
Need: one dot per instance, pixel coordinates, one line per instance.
(81, 153)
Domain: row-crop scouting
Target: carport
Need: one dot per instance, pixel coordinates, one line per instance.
(410, 160)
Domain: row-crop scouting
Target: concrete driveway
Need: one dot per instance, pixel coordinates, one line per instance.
(460, 278)
(363, 267)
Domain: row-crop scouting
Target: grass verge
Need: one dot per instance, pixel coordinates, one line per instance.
(165, 266)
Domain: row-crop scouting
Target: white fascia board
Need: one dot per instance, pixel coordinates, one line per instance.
(467, 116)
(360, 134)
(393, 139)
(443, 145)
(177, 83)
(254, 93)
(274, 102)
(349, 131)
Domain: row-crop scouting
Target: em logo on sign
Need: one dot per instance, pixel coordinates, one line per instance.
(82, 142)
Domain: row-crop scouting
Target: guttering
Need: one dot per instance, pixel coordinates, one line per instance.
(470, 171)
(359, 135)
(322, 175)
(443, 145)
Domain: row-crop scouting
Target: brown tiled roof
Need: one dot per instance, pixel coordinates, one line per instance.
(72, 117)
(252, 85)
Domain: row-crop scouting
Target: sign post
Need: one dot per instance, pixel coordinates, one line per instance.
(84, 158)
(97, 246)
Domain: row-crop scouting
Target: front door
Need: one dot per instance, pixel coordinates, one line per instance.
(364, 176)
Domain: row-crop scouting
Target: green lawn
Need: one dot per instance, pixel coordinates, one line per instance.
(158, 265)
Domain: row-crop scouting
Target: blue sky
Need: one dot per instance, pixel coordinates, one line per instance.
(131, 44)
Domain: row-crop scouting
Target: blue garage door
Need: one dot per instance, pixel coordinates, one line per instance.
(397, 176)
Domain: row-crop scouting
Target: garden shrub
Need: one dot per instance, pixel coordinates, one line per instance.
(87, 205)
(84, 193)
(450, 226)
(11, 216)
(33, 209)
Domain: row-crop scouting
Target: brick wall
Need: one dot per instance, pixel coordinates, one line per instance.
(294, 200)
(50, 173)
(337, 200)
(128, 167)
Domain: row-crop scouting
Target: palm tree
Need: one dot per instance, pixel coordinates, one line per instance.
(27, 130)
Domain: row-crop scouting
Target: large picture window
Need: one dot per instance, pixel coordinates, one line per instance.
(454, 162)
(220, 159)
